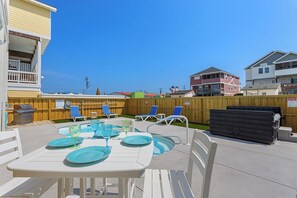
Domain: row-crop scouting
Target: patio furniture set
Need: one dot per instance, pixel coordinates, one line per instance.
(37, 171)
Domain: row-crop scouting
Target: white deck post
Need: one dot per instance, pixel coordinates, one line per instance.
(3, 60)
(38, 65)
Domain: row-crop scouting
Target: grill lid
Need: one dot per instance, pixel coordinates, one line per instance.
(23, 108)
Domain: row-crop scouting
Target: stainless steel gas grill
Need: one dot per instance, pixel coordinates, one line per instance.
(23, 114)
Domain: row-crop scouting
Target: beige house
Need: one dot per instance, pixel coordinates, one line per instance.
(29, 30)
(182, 94)
(261, 89)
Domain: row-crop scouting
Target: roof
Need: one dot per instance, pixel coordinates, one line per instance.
(121, 93)
(266, 57)
(43, 5)
(181, 92)
(262, 86)
(287, 58)
(150, 94)
(211, 70)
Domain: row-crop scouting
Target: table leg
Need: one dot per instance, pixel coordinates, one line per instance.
(93, 186)
(105, 186)
(61, 186)
(68, 186)
(82, 190)
(121, 186)
(125, 187)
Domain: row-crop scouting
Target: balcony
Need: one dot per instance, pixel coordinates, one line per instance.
(286, 72)
(22, 77)
(19, 72)
(209, 92)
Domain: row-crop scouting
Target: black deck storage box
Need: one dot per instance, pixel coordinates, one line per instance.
(256, 126)
(259, 108)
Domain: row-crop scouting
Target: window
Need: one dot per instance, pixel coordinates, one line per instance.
(196, 77)
(264, 93)
(260, 70)
(266, 70)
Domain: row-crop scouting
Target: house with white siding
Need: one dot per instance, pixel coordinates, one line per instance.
(273, 74)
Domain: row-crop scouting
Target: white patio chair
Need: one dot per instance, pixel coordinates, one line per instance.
(11, 149)
(177, 183)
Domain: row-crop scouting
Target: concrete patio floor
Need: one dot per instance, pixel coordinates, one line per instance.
(242, 169)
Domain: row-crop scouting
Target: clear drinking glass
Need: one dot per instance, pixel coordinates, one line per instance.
(126, 126)
(106, 133)
(95, 126)
(74, 131)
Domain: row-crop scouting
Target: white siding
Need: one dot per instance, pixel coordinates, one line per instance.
(264, 81)
(261, 92)
(248, 74)
(285, 72)
(284, 80)
(256, 75)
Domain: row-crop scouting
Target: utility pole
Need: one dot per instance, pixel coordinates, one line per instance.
(87, 84)
(161, 89)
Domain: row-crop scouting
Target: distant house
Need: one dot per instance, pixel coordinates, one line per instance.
(275, 69)
(150, 95)
(214, 82)
(122, 93)
(182, 94)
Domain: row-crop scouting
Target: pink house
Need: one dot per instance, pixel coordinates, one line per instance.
(214, 82)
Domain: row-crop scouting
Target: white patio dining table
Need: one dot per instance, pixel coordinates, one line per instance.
(123, 162)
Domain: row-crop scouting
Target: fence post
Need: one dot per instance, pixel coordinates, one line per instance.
(82, 107)
(49, 109)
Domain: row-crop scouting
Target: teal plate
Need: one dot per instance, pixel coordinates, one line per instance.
(64, 142)
(114, 133)
(88, 154)
(137, 140)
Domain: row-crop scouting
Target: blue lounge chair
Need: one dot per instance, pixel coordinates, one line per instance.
(107, 113)
(75, 114)
(176, 115)
(152, 114)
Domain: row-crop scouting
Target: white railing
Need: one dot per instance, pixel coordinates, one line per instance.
(22, 77)
(18, 66)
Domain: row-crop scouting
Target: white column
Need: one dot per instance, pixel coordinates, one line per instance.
(38, 65)
(3, 62)
(3, 76)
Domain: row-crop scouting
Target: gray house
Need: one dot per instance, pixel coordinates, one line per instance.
(276, 70)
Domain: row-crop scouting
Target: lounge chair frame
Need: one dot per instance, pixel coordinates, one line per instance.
(151, 115)
(107, 113)
(75, 114)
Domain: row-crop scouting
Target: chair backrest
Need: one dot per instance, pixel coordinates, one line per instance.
(74, 111)
(10, 146)
(106, 110)
(202, 154)
(177, 110)
(154, 110)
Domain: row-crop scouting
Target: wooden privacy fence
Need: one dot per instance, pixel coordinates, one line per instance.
(196, 109)
(46, 108)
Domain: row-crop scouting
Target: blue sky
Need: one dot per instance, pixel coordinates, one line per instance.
(133, 45)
